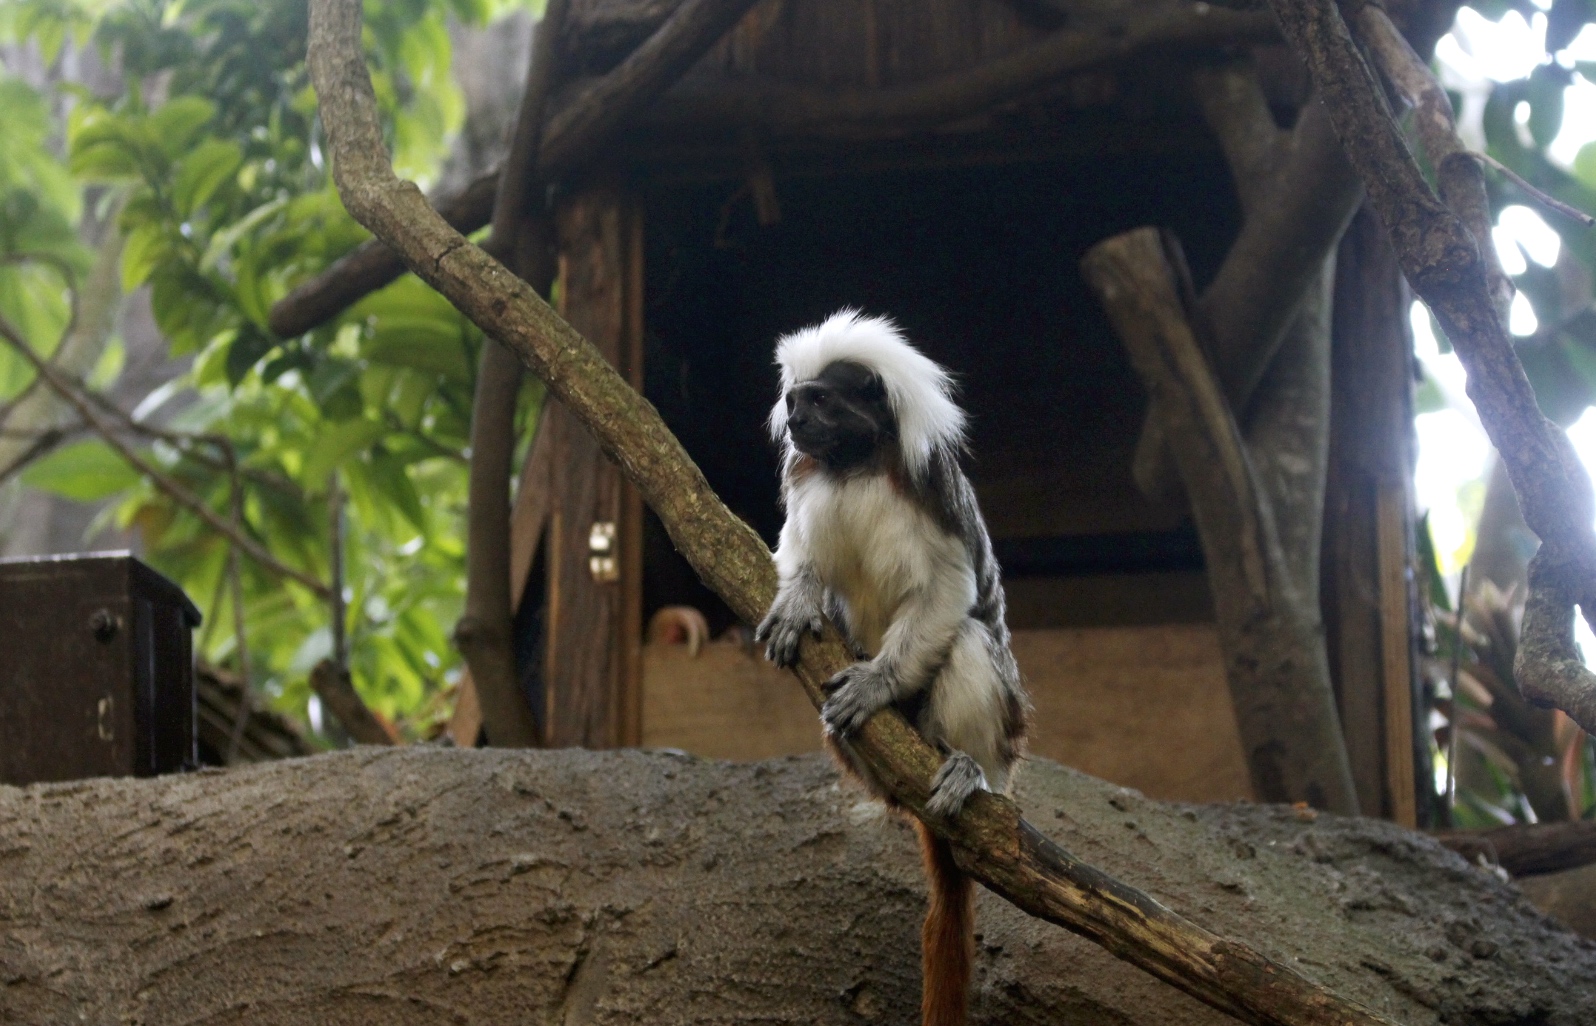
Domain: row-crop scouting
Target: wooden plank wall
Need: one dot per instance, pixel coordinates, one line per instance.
(1366, 586)
(1146, 707)
(592, 665)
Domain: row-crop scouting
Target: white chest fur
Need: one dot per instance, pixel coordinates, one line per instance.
(873, 547)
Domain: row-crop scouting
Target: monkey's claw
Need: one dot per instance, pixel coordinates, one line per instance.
(857, 693)
(784, 627)
(957, 779)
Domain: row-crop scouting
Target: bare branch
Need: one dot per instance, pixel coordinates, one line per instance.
(521, 236)
(1544, 199)
(179, 494)
(992, 842)
(1527, 849)
(337, 693)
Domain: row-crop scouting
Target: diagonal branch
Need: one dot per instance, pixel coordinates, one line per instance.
(572, 136)
(992, 842)
(1443, 245)
(179, 494)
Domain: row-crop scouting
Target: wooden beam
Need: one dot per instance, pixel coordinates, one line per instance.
(1369, 522)
(593, 621)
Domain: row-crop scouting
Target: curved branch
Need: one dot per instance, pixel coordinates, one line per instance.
(992, 842)
(521, 233)
(182, 496)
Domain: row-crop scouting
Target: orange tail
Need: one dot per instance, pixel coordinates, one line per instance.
(947, 941)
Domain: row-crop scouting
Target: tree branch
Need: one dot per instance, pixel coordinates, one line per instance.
(1274, 656)
(1444, 248)
(992, 842)
(182, 496)
(572, 136)
(1290, 231)
(336, 690)
(1527, 849)
(521, 231)
(787, 110)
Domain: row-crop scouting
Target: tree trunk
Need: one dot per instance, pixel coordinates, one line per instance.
(426, 886)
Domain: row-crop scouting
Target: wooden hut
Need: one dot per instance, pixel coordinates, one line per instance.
(947, 163)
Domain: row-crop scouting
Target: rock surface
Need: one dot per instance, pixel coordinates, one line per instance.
(436, 886)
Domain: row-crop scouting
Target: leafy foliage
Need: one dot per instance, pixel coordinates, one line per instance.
(208, 151)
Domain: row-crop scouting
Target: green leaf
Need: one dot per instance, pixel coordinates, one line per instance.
(178, 123)
(146, 246)
(245, 352)
(336, 444)
(84, 472)
(1546, 86)
(204, 171)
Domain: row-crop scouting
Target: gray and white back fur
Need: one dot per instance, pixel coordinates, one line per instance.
(894, 549)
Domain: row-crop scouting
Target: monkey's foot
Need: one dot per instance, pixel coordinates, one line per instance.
(791, 616)
(958, 778)
(857, 693)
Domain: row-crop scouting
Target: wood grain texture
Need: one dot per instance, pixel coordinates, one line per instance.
(1370, 457)
(591, 624)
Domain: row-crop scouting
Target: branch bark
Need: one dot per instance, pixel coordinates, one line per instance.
(572, 136)
(1275, 660)
(1292, 226)
(992, 842)
(1443, 245)
(336, 690)
(520, 230)
(1528, 849)
(179, 494)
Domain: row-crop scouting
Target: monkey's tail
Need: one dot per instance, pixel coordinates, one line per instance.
(947, 941)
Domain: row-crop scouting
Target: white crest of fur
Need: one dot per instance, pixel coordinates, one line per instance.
(919, 389)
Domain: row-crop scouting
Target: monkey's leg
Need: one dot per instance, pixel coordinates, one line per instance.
(965, 718)
(912, 649)
(958, 778)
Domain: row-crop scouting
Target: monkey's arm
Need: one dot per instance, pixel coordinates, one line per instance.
(800, 602)
(912, 651)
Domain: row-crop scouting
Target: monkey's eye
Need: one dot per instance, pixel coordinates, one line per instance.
(819, 399)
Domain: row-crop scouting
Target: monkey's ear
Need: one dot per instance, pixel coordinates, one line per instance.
(874, 388)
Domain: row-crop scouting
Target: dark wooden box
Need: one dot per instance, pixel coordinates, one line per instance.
(96, 669)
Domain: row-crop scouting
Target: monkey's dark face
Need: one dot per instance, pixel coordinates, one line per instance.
(842, 417)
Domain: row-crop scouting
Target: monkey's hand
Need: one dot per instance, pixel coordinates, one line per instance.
(796, 611)
(857, 693)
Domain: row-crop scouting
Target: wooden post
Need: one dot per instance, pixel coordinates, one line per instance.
(1367, 583)
(592, 659)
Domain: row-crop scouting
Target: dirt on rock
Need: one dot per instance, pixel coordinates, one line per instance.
(431, 886)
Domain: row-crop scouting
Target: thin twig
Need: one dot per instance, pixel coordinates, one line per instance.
(179, 494)
(1535, 194)
(1457, 657)
(335, 557)
(235, 497)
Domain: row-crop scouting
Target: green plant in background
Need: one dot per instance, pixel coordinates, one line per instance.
(205, 158)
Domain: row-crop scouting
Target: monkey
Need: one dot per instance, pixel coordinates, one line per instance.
(884, 537)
